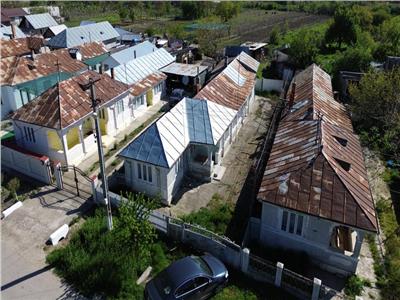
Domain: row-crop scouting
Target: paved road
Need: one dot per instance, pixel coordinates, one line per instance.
(24, 273)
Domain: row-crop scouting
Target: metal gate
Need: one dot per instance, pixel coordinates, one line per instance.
(76, 181)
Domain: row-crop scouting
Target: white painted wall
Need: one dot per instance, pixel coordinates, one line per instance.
(7, 100)
(264, 84)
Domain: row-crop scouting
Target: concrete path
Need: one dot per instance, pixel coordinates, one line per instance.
(24, 273)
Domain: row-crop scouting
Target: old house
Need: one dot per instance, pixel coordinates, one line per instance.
(24, 78)
(189, 77)
(53, 31)
(194, 136)
(59, 122)
(76, 36)
(314, 193)
(12, 15)
(37, 24)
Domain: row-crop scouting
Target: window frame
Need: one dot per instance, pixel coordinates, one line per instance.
(298, 222)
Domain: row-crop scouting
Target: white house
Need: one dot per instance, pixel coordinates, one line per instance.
(314, 192)
(59, 122)
(188, 140)
(194, 136)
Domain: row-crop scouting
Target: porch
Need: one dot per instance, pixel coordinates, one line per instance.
(200, 161)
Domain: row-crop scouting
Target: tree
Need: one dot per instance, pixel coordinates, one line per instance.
(132, 15)
(389, 38)
(363, 16)
(344, 27)
(150, 31)
(226, 10)
(207, 40)
(376, 109)
(274, 36)
(304, 47)
(176, 31)
(192, 10)
(122, 12)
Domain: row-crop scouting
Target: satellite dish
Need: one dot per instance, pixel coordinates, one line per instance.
(185, 80)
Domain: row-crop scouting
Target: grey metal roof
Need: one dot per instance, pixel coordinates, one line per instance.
(86, 22)
(5, 32)
(139, 68)
(190, 121)
(57, 29)
(184, 69)
(75, 36)
(128, 54)
(39, 21)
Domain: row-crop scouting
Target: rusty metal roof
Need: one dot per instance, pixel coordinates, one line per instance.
(314, 98)
(68, 102)
(21, 46)
(8, 13)
(147, 83)
(16, 70)
(318, 168)
(93, 49)
(232, 86)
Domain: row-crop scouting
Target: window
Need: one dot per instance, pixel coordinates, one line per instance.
(24, 96)
(29, 134)
(292, 223)
(158, 88)
(139, 101)
(341, 141)
(145, 172)
(344, 164)
(186, 288)
(139, 169)
(120, 106)
(150, 173)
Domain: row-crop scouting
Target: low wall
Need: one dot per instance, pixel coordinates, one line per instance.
(269, 85)
(28, 163)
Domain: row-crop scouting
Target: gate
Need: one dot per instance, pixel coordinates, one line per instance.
(76, 181)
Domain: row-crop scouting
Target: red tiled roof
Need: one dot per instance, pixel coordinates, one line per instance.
(22, 69)
(304, 173)
(22, 46)
(68, 102)
(147, 83)
(93, 49)
(314, 84)
(228, 92)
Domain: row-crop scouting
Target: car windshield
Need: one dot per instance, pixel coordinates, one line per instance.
(162, 283)
(203, 265)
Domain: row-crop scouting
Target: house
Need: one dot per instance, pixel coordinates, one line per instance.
(10, 32)
(346, 78)
(185, 141)
(255, 50)
(54, 11)
(314, 193)
(24, 78)
(37, 24)
(91, 54)
(127, 37)
(76, 36)
(194, 136)
(21, 46)
(125, 55)
(189, 77)
(12, 16)
(53, 31)
(59, 122)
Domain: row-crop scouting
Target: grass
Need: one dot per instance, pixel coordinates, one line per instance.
(215, 217)
(113, 18)
(234, 292)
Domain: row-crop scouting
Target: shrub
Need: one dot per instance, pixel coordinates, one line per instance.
(355, 285)
(13, 186)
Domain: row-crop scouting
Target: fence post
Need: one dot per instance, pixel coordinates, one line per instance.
(316, 289)
(244, 259)
(94, 185)
(58, 173)
(278, 275)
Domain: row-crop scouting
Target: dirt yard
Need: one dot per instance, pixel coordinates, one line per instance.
(237, 163)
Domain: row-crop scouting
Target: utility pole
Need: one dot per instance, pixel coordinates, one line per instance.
(100, 152)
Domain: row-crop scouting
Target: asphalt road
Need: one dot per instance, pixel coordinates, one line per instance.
(24, 273)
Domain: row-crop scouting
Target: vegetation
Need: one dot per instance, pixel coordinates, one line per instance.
(355, 285)
(226, 10)
(107, 263)
(233, 292)
(215, 217)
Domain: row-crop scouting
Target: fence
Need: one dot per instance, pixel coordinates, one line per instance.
(26, 162)
(264, 84)
(234, 255)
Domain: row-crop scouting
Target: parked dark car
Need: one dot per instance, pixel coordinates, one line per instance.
(176, 96)
(190, 278)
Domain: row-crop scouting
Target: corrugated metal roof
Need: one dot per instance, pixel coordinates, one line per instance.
(315, 85)
(126, 55)
(91, 50)
(67, 102)
(86, 22)
(57, 29)
(139, 68)
(184, 69)
(6, 32)
(232, 86)
(39, 21)
(190, 121)
(75, 36)
(147, 83)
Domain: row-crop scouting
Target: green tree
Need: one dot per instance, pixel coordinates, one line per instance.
(150, 31)
(226, 10)
(363, 16)
(376, 108)
(389, 38)
(274, 36)
(123, 13)
(304, 47)
(343, 28)
(132, 15)
(176, 31)
(207, 40)
(192, 10)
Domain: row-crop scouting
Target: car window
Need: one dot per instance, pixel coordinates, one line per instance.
(200, 281)
(185, 288)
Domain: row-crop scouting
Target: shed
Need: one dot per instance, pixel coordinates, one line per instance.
(54, 30)
(37, 23)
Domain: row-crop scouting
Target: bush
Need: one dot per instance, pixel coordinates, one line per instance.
(13, 186)
(233, 292)
(355, 285)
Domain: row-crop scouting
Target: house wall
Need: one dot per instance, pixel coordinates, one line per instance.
(7, 100)
(314, 239)
(38, 144)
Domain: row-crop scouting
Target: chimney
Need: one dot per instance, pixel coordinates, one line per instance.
(134, 54)
(112, 73)
(13, 32)
(292, 94)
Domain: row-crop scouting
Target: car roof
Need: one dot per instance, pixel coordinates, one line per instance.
(182, 270)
